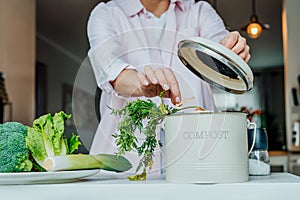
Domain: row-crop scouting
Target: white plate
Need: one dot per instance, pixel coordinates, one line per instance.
(44, 177)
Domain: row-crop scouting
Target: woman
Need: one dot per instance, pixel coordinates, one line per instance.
(133, 54)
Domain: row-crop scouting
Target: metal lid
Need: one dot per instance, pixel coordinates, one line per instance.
(216, 64)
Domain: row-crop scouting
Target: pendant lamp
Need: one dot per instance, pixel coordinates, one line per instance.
(254, 28)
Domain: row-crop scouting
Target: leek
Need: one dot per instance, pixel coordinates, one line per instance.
(84, 161)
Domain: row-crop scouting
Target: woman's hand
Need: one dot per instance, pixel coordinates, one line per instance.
(150, 83)
(235, 42)
(154, 81)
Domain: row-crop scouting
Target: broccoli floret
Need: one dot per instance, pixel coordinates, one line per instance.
(13, 150)
(14, 127)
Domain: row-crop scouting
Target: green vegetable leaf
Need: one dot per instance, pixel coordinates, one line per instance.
(58, 139)
(46, 137)
(73, 143)
(35, 144)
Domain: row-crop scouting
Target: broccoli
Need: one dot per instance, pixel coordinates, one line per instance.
(14, 127)
(14, 155)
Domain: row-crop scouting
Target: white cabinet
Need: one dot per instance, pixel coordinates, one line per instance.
(279, 161)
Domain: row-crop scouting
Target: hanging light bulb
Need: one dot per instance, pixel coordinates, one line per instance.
(254, 28)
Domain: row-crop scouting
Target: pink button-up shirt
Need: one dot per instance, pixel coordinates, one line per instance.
(123, 34)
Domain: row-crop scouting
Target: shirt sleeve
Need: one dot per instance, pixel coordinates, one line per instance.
(105, 52)
(210, 23)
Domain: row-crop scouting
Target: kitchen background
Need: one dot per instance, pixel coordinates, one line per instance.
(43, 48)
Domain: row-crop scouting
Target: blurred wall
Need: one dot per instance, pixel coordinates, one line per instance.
(17, 55)
(61, 67)
(291, 32)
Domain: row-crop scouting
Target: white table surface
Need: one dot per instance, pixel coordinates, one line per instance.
(283, 186)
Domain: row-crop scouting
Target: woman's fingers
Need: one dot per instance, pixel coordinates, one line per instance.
(248, 57)
(159, 79)
(239, 46)
(150, 75)
(244, 54)
(168, 82)
(230, 39)
(173, 84)
(142, 79)
(235, 42)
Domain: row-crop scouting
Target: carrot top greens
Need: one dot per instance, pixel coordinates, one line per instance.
(140, 116)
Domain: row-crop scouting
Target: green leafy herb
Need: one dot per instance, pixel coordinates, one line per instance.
(142, 116)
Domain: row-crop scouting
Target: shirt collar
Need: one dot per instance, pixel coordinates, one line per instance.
(135, 6)
(179, 3)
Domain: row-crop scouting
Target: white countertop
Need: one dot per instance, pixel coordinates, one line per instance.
(283, 186)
